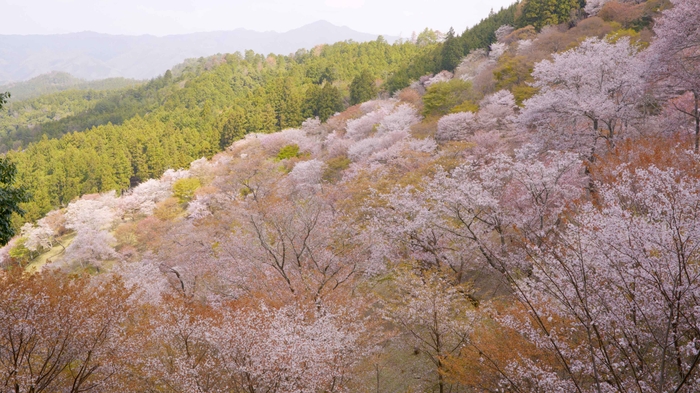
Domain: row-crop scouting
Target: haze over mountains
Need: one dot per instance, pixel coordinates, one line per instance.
(90, 55)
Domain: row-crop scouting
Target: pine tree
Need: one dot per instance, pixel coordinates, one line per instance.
(330, 102)
(452, 51)
(362, 88)
(323, 102)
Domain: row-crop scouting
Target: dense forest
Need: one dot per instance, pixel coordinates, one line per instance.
(512, 209)
(55, 82)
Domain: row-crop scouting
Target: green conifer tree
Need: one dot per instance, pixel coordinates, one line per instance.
(10, 196)
(452, 51)
(362, 88)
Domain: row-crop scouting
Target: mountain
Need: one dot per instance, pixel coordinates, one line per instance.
(90, 55)
(56, 81)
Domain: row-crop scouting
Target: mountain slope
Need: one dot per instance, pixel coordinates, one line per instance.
(55, 81)
(91, 55)
(447, 238)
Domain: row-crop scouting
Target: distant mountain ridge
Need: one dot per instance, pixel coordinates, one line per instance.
(90, 56)
(56, 81)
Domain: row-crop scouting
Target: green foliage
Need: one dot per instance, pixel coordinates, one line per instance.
(427, 37)
(426, 62)
(514, 73)
(362, 88)
(184, 189)
(436, 57)
(540, 13)
(288, 151)
(323, 102)
(10, 198)
(60, 81)
(24, 122)
(285, 96)
(483, 34)
(441, 97)
(452, 51)
(522, 93)
(334, 168)
(58, 114)
(466, 106)
(232, 126)
(20, 253)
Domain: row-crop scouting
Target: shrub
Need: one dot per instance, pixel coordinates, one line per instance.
(184, 189)
(441, 97)
(335, 167)
(288, 151)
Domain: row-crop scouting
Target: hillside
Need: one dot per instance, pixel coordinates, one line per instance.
(362, 219)
(54, 82)
(92, 56)
(192, 112)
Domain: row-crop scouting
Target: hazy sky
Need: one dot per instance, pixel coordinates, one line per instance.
(164, 17)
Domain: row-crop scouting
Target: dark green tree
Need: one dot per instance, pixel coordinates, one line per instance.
(233, 126)
(483, 34)
(362, 88)
(452, 51)
(322, 101)
(330, 75)
(330, 102)
(10, 196)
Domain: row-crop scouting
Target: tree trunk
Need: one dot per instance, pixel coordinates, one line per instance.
(697, 120)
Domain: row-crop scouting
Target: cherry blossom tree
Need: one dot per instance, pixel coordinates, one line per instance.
(433, 313)
(401, 119)
(39, 237)
(288, 349)
(362, 127)
(674, 56)
(199, 207)
(306, 175)
(456, 126)
(496, 50)
(312, 126)
(178, 353)
(473, 64)
(615, 297)
(496, 113)
(585, 94)
(467, 217)
(144, 279)
(503, 31)
(91, 219)
(60, 334)
(302, 241)
(594, 6)
(366, 147)
(247, 346)
(442, 76)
